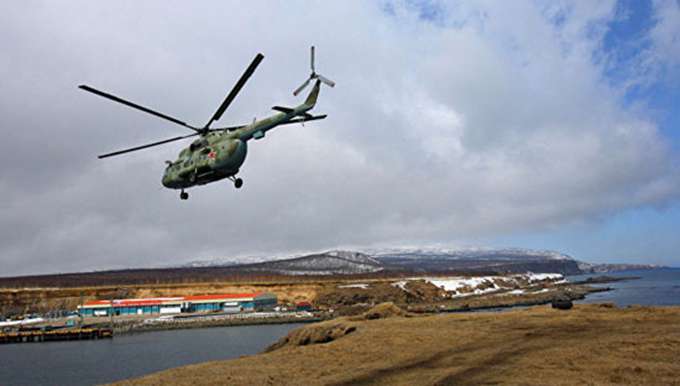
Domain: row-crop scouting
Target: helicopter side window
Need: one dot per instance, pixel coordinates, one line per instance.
(199, 143)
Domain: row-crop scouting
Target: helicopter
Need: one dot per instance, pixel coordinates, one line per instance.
(218, 153)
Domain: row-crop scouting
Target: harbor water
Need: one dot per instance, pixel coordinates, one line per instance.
(90, 362)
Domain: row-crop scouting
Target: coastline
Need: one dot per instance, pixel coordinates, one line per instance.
(475, 303)
(487, 302)
(207, 322)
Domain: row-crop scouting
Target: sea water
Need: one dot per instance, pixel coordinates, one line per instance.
(89, 362)
(656, 287)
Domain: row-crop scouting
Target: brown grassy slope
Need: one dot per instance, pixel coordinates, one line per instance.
(288, 289)
(20, 300)
(587, 345)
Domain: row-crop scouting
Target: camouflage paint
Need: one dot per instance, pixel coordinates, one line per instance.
(218, 155)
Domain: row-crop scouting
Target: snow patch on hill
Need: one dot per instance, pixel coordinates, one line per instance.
(467, 286)
(326, 263)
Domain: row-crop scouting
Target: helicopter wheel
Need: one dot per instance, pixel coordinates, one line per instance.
(183, 195)
(238, 183)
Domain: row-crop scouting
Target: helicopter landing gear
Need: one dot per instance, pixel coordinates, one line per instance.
(237, 182)
(183, 195)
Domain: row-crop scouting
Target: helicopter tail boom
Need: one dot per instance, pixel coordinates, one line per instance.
(313, 95)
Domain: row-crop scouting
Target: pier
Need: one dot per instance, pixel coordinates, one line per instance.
(55, 335)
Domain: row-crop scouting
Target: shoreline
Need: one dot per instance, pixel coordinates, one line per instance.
(216, 323)
(526, 301)
(502, 307)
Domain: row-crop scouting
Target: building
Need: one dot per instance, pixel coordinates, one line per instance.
(232, 303)
(304, 306)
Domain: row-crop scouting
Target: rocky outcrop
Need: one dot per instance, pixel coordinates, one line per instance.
(381, 311)
(314, 334)
(562, 302)
(332, 330)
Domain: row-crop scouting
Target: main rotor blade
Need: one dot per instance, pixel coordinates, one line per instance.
(326, 80)
(145, 146)
(134, 105)
(299, 89)
(237, 87)
(312, 58)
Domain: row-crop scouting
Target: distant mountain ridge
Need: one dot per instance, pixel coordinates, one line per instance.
(471, 252)
(604, 268)
(478, 260)
(421, 260)
(325, 263)
(398, 261)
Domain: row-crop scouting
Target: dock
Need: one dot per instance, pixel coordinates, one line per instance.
(55, 335)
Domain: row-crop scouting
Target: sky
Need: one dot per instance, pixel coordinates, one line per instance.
(548, 125)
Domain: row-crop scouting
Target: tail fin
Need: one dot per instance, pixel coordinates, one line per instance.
(314, 94)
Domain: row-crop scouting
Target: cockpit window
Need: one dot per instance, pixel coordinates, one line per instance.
(197, 144)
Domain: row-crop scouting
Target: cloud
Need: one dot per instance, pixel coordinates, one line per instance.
(471, 121)
(652, 55)
(665, 37)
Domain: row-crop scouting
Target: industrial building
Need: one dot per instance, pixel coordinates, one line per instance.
(259, 301)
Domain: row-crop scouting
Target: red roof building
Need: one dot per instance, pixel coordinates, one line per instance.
(169, 305)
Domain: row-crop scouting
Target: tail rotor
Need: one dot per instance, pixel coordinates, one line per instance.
(313, 76)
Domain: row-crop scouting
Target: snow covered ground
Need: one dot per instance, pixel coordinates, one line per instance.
(466, 286)
(534, 277)
(357, 285)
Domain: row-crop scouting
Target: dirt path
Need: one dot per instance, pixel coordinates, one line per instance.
(588, 345)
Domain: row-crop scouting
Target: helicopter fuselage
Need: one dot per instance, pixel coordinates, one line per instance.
(205, 161)
(218, 155)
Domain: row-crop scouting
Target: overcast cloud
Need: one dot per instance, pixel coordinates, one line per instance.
(448, 123)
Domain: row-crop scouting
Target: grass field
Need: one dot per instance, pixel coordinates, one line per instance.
(590, 344)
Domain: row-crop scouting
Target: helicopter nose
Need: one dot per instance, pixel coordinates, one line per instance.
(166, 180)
